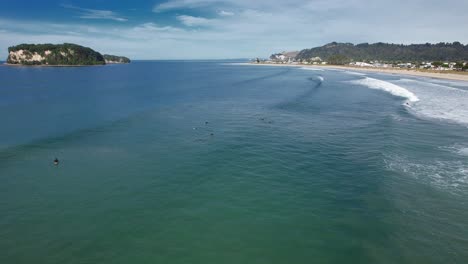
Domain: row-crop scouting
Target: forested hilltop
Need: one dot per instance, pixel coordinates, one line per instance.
(58, 55)
(339, 53)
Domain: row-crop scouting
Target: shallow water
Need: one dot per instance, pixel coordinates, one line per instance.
(303, 166)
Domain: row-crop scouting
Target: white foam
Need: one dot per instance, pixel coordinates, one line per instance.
(321, 78)
(450, 82)
(355, 73)
(446, 174)
(463, 151)
(438, 101)
(311, 69)
(457, 149)
(387, 87)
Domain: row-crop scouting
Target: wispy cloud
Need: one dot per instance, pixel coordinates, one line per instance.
(225, 13)
(87, 13)
(176, 4)
(249, 28)
(192, 21)
(156, 28)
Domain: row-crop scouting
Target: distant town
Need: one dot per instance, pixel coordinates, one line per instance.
(437, 57)
(289, 58)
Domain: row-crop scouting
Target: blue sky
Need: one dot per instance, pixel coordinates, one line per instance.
(216, 29)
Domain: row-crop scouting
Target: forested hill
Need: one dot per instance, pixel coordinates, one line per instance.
(387, 52)
(51, 54)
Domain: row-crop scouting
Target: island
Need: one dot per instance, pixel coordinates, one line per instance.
(66, 54)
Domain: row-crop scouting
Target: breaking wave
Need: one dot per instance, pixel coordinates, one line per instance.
(438, 101)
(311, 69)
(387, 87)
(355, 73)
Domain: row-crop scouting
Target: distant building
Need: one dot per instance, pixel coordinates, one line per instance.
(316, 59)
(284, 57)
(361, 64)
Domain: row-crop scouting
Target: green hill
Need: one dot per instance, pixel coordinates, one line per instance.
(339, 53)
(51, 54)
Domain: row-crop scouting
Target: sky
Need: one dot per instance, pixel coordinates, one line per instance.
(224, 29)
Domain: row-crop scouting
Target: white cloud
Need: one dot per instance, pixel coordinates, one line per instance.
(280, 25)
(177, 4)
(87, 13)
(192, 21)
(225, 13)
(155, 28)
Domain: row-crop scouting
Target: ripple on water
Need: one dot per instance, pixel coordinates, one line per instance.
(451, 175)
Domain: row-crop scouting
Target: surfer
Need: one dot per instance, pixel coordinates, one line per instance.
(56, 161)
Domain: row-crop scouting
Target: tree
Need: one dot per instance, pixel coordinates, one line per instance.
(338, 59)
(63, 54)
(459, 65)
(390, 52)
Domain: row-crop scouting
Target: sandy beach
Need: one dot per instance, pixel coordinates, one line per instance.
(449, 75)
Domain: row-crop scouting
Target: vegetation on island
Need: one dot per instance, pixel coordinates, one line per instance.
(59, 54)
(115, 59)
(344, 53)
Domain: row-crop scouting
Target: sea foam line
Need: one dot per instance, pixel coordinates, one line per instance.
(439, 101)
(311, 69)
(387, 87)
(355, 73)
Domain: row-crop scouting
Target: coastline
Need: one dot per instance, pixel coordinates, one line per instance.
(44, 65)
(461, 76)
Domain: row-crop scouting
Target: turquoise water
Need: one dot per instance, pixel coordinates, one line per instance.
(293, 166)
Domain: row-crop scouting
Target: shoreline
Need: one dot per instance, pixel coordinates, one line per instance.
(461, 76)
(44, 65)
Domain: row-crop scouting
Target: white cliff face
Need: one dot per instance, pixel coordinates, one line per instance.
(26, 56)
(114, 61)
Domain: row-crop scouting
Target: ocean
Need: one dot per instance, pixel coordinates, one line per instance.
(216, 162)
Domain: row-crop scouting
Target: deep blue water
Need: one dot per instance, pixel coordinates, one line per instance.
(212, 162)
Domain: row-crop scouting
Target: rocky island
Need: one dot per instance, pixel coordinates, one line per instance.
(58, 55)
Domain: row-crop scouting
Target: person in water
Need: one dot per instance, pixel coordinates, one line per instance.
(56, 161)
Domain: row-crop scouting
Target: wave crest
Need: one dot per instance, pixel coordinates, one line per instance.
(387, 87)
(355, 73)
(311, 69)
